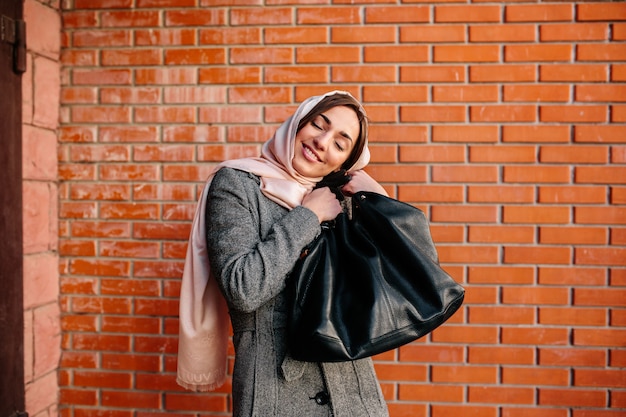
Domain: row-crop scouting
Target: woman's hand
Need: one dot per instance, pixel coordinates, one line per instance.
(323, 203)
(361, 181)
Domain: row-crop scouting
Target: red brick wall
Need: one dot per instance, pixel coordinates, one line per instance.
(505, 122)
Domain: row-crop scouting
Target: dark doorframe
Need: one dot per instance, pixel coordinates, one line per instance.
(11, 251)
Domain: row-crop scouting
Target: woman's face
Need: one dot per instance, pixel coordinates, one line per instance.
(325, 143)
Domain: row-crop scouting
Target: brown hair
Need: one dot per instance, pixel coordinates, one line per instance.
(346, 100)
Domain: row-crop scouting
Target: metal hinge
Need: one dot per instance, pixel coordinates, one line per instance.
(14, 32)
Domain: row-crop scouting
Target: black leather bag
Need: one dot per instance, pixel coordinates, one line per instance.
(369, 284)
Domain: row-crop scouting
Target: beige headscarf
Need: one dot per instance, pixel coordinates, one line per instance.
(204, 321)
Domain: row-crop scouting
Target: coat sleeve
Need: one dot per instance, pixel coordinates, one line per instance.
(251, 266)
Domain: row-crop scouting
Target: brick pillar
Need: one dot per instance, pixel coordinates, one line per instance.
(40, 89)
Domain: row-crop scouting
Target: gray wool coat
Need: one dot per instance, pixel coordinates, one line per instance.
(253, 245)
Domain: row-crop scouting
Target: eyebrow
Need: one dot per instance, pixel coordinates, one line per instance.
(344, 134)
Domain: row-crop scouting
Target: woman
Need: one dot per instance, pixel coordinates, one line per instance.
(254, 218)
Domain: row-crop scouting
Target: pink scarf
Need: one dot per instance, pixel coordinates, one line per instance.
(204, 322)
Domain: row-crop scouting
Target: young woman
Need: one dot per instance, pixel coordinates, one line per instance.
(253, 220)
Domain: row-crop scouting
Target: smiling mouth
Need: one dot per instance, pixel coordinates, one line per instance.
(308, 152)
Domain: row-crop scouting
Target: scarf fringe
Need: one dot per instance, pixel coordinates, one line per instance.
(201, 387)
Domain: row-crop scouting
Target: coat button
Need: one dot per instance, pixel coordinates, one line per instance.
(322, 398)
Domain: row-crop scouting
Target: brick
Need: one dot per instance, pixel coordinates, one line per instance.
(402, 372)
(430, 193)
(572, 194)
(465, 93)
(599, 133)
(535, 296)
(536, 93)
(532, 376)
(501, 395)
(389, 94)
(165, 76)
(162, 114)
(129, 18)
(536, 174)
(328, 15)
(500, 355)
(283, 75)
(437, 113)
(534, 336)
(434, 153)
(397, 133)
(400, 53)
(549, 255)
(431, 393)
(101, 77)
(99, 267)
(562, 32)
(238, 35)
(120, 380)
(78, 95)
(196, 17)
(130, 399)
(398, 173)
(133, 362)
(500, 194)
(481, 174)
(500, 275)
(502, 73)
(363, 73)
(397, 14)
(125, 134)
(129, 95)
(244, 75)
(369, 35)
(599, 256)
(539, 13)
(536, 411)
(464, 254)
(431, 353)
(569, 316)
(475, 13)
(503, 113)
(185, 402)
(299, 35)
(599, 297)
(502, 33)
(569, 154)
(204, 56)
(572, 356)
(595, 12)
(573, 72)
(572, 235)
(575, 114)
(600, 93)
(501, 234)
(165, 37)
(514, 154)
(447, 233)
(432, 73)
(600, 175)
(78, 397)
(260, 16)
(465, 374)
(464, 133)
(474, 411)
(574, 276)
(433, 33)
(571, 398)
(328, 54)
(497, 315)
(466, 53)
(601, 52)
(536, 134)
(481, 295)
(538, 53)
(102, 38)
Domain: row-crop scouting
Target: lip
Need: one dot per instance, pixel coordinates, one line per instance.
(305, 151)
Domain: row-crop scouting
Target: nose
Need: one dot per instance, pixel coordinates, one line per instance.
(322, 140)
